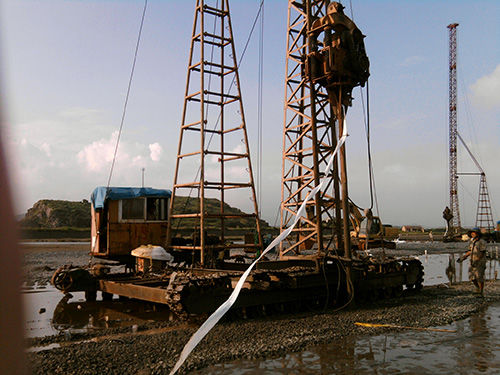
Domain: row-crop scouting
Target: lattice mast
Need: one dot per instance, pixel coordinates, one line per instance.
(212, 117)
(484, 216)
(452, 120)
(325, 60)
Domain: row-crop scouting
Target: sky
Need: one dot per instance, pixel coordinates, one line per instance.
(65, 67)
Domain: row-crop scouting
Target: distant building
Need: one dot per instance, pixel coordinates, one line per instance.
(412, 228)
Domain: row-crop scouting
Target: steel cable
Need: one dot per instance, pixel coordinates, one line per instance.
(128, 94)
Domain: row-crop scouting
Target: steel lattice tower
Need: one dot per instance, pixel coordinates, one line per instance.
(213, 157)
(308, 136)
(484, 216)
(452, 119)
(317, 93)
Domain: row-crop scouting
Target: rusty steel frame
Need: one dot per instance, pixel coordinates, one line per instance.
(310, 135)
(452, 120)
(215, 99)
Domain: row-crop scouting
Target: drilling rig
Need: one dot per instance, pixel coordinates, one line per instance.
(326, 59)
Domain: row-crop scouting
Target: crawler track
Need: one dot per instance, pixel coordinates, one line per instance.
(273, 286)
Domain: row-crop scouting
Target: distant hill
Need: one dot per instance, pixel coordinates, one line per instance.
(51, 214)
(189, 205)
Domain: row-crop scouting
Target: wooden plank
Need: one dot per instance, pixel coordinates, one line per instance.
(144, 293)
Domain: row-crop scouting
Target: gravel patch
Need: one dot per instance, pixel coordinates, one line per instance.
(155, 352)
(155, 346)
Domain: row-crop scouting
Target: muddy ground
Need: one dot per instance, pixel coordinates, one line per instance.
(155, 346)
(41, 259)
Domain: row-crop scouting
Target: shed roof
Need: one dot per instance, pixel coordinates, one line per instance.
(101, 194)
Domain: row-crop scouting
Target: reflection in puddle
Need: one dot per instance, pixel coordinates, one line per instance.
(474, 348)
(48, 312)
(439, 267)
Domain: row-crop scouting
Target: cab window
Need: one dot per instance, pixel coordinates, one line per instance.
(143, 209)
(132, 209)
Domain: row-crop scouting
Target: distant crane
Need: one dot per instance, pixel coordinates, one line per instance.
(452, 119)
(484, 217)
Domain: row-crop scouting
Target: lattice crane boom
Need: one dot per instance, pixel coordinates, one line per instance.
(452, 120)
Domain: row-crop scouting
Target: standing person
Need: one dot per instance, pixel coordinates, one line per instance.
(477, 253)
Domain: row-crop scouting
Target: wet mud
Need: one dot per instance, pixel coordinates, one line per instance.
(470, 346)
(41, 259)
(119, 338)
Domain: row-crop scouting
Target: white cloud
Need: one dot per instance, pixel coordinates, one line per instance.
(486, 91)
(98, 155)
(138, 161)
(45, 147)
(412, 60)
(155, 151)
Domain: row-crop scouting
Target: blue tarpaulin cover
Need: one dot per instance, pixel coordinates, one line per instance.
(101, 194)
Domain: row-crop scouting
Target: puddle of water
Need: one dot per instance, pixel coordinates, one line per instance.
(473, 348)
(48, 312)
(435, 268)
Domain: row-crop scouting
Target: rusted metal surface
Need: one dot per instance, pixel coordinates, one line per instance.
(325, 60)
(114, 238)
(148, 291)
(303, 281)
(212, 95)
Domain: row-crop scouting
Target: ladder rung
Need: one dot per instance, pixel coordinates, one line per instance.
(205, 130)
(192, 124)
(233, 129)
(214, 11)
(189, 97)
(216, 37)
(225, 153)
(221, 94)
(194, 65)
(204, 101)
(185, 247)
(186, 185)
(209, 42)
(188, 154)
(225, 67)
(184, 216)
(208, 71)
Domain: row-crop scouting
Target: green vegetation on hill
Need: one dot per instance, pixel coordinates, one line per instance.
(50, 214)
(187, 205)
